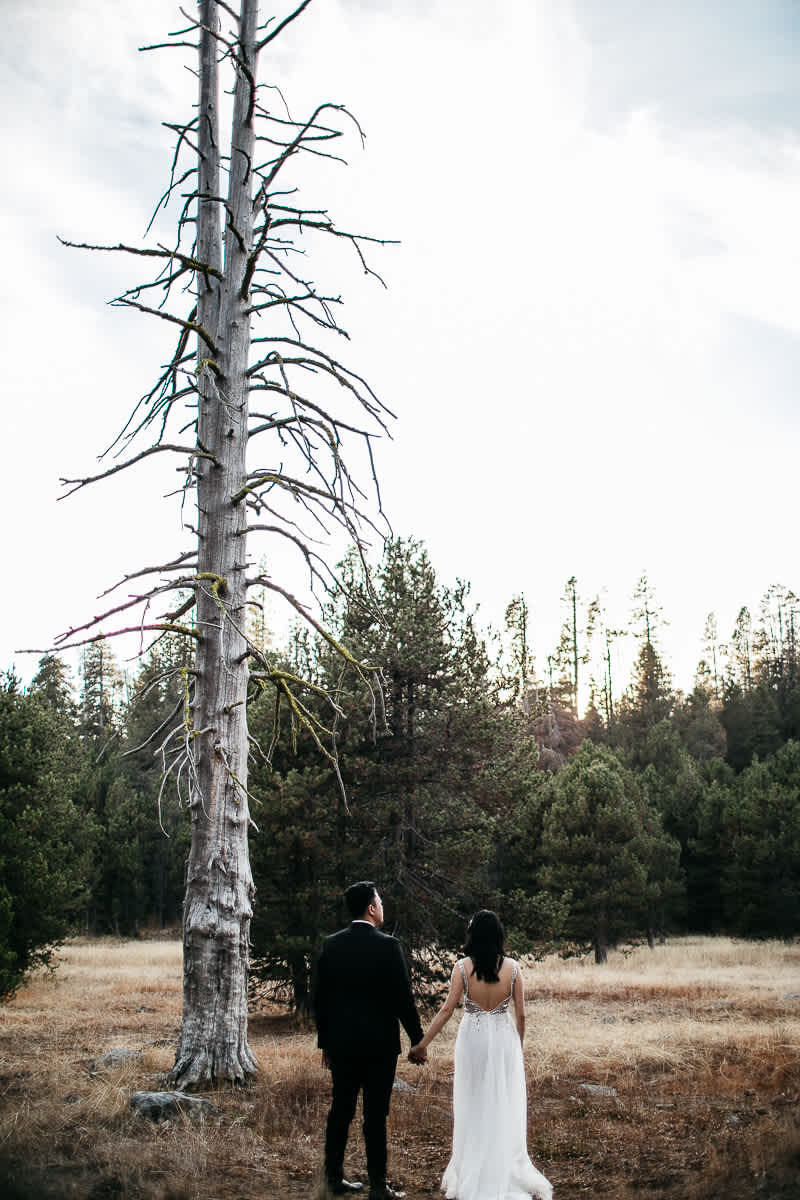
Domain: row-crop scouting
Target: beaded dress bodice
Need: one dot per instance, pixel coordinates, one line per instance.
(499, 1010)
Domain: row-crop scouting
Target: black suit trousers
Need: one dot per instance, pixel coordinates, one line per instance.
(373, 1076)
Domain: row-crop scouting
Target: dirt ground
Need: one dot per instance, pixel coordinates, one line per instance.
(694, 1047)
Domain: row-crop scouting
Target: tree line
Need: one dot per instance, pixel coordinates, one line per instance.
(469, 779)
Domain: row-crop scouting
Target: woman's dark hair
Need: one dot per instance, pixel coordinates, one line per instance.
(485, 944)
(358, 897)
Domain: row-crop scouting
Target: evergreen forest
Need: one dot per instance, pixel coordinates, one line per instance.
(589, 811)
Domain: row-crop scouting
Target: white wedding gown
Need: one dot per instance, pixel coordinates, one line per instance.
(490, 1155)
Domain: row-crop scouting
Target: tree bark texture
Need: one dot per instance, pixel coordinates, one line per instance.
(219, 886)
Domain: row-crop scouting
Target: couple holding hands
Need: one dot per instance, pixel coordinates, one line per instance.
(362, 990)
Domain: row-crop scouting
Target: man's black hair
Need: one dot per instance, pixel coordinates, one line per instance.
(358, 898)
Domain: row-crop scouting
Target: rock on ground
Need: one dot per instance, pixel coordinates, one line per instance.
(164, 1106)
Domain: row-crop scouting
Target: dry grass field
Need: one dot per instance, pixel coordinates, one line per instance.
(699, 1040)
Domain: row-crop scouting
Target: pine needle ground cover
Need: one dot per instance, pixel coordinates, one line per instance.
(666, 1073)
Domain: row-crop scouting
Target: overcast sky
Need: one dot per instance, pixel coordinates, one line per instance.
(591, 331)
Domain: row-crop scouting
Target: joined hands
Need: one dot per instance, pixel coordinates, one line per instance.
(418, 1054)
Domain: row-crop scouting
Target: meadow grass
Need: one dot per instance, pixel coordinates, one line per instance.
(699, 1040)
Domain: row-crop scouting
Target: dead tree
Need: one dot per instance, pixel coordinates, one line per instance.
(258, 332)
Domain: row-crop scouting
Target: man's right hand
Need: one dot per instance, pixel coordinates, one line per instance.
(418, 1054)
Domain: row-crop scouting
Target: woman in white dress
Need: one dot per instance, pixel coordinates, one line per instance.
(490, 1156)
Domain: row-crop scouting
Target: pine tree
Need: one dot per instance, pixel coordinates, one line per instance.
(699, 720)
(595, 846)
(101, 695)
(753, 723)
(740, 652)
(712, 648)
(521, 669)
(53, 684)
(426, 790)
(649, 698)
(759, 831)
(45, 839)
(99, 723)
(566, 657)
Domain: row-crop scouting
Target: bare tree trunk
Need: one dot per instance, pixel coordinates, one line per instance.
(601, 939)
(219, 885)
(208, 744)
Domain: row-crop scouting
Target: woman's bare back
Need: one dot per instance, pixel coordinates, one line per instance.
(489, 995)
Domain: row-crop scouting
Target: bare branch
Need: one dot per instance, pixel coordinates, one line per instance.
(252, 258)
(173, 183)
(190, 264)
(230, 46)
(159, 678)
(299, 490)
(327, 637)
(262, 167)
(167, 46)
(325, 419)
(192, 451)
(274, 674)
(230, 11)
(297, 141)
(168, 376)
(328, 227)
(177, 564)
(286, 21)
(323, 362)
(292, 303)
(189, 326)
(329, 130)
(173, 713)
(189, 581)
(308, 554)
(109, 633)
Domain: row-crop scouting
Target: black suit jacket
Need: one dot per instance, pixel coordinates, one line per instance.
(361, 991)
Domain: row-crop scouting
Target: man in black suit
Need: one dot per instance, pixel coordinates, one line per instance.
(362, 990)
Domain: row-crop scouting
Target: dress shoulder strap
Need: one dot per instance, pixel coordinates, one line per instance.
(513, 976)
(463, 976)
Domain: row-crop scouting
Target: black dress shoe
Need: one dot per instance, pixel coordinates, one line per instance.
(382, 1191)
(343, 1187)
